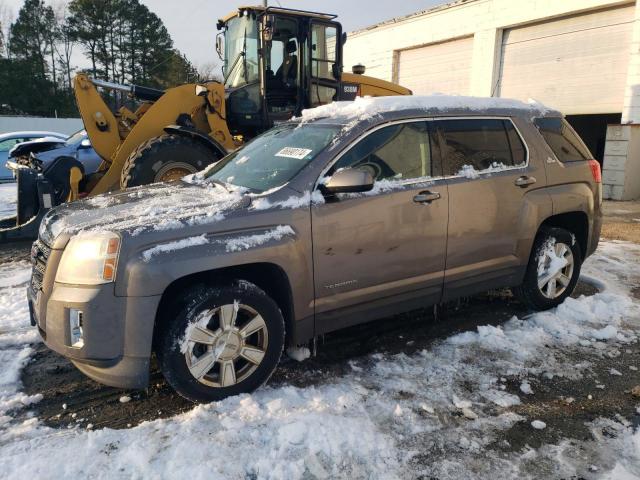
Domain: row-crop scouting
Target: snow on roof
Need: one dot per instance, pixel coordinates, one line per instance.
(363, 108)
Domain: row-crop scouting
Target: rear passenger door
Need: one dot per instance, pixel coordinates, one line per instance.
(488, 173)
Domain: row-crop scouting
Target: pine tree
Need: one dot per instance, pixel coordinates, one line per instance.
(31, 36)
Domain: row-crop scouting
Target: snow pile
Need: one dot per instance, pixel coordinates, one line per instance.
(252, 241)
(553, 263)
(538, 425)
(8, 200)
(158, 207)
(469, 171)
(173, 246)
(363, 108)
(305, 200)
(434, 413)
(387, 185)
(299, 354)
(16, 334)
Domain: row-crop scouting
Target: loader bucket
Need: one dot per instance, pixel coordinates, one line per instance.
(35, 198)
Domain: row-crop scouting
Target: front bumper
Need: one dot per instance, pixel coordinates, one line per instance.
(117, 331)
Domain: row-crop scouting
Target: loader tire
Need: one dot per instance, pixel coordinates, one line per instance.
(165, 158)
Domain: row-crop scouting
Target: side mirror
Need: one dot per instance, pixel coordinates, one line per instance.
(336, 70)
(348, 180)
(267, 28)
(85, 143)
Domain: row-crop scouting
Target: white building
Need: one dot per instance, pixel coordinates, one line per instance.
(579, 56)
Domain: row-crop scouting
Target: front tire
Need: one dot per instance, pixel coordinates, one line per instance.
(221, 341)
(553, 269)
(165, 158)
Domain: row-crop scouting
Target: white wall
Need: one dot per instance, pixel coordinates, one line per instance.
(484, 19)
(61, 125)
(378, 49)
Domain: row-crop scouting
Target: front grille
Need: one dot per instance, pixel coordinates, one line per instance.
(39, 257)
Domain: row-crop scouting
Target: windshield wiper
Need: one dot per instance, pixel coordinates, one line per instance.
(233, 67)
(243, 55)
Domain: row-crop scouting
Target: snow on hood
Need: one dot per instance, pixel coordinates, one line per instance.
(363, 108)
(157, 207)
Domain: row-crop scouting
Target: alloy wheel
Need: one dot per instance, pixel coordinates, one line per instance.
(555, 269)
(225, 345)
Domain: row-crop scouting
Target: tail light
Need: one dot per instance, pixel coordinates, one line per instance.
(595, 171)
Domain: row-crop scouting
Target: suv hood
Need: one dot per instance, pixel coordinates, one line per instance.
(154, 207)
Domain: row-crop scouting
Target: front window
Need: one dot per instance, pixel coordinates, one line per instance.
(398, 152)
(241, 65)
(275, 157)
(76, 138)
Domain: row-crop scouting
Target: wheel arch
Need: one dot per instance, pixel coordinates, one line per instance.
(198, 136)
(576, 222)
(268, 276)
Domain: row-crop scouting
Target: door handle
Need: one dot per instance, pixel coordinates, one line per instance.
(525, 181)
(426, 197)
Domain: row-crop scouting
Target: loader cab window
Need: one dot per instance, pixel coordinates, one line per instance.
(282, 68)
(241, 66)
(242, 75)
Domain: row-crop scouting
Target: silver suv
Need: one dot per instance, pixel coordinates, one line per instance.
(354, 212)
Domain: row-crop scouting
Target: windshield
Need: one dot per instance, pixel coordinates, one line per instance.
(76, 138)
(273, 158)
(241, 51)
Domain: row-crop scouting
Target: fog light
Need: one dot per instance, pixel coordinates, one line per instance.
(75, 328)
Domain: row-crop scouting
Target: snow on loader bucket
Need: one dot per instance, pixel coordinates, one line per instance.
(39, 190)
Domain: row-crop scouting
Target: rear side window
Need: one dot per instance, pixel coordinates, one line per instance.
(478, 145)
(561, 138)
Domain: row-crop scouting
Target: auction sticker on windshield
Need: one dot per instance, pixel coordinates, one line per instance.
(294, 152)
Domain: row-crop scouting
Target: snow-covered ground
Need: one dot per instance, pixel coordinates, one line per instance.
(435, 413)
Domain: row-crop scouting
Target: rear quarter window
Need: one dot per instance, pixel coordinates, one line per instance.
(562, 139)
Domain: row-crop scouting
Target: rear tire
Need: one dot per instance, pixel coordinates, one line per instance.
(207, 352)
(165, 158)
(553, 269)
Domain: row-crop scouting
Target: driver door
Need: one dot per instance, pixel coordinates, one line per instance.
(380, 251)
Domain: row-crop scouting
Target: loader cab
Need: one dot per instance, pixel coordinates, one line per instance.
(277, 62)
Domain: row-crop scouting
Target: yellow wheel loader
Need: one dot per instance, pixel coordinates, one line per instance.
(277, 62)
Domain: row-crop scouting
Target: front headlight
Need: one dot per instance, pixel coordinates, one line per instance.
(90, 259)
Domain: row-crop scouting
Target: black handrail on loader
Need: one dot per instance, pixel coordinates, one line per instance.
(137, 91)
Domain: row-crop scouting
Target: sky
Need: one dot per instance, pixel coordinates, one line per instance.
(192, 23)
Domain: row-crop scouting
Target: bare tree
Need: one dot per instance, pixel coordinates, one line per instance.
(64, 45)
(7, 16)
(209, 71)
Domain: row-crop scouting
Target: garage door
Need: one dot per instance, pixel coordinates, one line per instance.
(577, 64)
(439, 68)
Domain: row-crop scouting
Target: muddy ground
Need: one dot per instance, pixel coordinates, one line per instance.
(621, 221)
